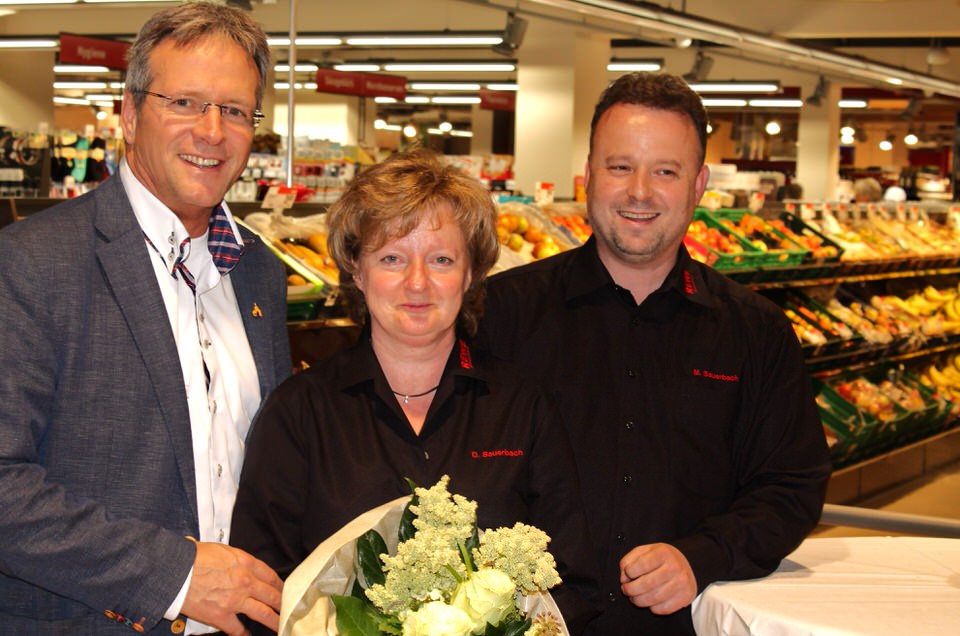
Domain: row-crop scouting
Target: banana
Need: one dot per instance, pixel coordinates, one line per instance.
(934, 295)
(952, 374)
(921, 305)
(951, 309)
(938, 378)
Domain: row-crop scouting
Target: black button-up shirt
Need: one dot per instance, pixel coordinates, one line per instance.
(332, 442)
(691, 416)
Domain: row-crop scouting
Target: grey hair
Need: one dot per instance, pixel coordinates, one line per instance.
(188, 23)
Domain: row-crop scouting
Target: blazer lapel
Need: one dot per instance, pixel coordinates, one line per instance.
(250, 290)
(125, 259)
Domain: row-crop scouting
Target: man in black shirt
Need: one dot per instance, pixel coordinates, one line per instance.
(699, 446)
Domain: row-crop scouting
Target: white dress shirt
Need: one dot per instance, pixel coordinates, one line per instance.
(208, 329)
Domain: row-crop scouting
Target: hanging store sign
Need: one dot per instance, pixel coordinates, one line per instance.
(75, 49)
(498, 100)
(362, 84)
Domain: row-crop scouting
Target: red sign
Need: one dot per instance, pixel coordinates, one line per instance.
(75, 49)
(498, 100)
(363, 84)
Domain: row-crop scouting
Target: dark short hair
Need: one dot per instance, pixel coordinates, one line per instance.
(660, 91)
(388, 200)
(188, 23)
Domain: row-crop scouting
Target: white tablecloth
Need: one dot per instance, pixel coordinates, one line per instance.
(874, 586)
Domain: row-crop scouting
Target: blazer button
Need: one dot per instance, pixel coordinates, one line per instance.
(178, 626)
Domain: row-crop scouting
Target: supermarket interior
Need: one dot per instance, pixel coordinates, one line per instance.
(832, 145)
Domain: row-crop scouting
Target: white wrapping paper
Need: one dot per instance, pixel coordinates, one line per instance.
(306, 608)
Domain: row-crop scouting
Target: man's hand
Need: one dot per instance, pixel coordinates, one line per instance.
(659, 577)
(226, 582)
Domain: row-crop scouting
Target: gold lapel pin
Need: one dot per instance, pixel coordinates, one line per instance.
(256, 311)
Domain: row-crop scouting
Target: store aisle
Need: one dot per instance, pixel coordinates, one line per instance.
(936, 495)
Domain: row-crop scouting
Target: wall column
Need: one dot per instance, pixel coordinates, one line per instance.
(818, 147)
(26, 83)
(561, 73)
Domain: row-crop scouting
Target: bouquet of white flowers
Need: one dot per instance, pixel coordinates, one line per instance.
(443, 578)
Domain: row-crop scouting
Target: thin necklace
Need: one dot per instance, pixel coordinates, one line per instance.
(406, 398)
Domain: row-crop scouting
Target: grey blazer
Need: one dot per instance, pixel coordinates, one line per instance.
(97, 486)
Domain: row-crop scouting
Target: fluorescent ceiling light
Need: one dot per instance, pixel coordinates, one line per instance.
(79, 85)
(74, 101)
(23, 2)
(461, 133)
(502, 87)
(775, 103)
(650, 16)
(455, 100)
(97, 97)
(300, 68)
(425, 40)
(635, 65)
(434, 131)
(435, 86)
(357, 68)
(33, 43)
(852, 103)
(719, 102)
(385, 100)
(417, 99)
(297, 86)
(117, 86)
(462, 67)
(305, 41)
(79, 68)
(393, 127)
(735, 87)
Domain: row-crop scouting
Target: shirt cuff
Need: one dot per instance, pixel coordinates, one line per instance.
(174, 610)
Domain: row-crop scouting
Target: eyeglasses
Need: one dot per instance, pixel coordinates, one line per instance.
(192, 108)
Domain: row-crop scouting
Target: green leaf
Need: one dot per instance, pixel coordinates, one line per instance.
(516, 627)
(370, 545)
(357, 591)
(406, 529)
(355, 618)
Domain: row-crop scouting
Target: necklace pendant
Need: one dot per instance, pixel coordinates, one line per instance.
(406, 399)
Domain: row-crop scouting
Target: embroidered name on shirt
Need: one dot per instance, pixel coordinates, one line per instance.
(723, 377)
(688, 285)
(465, 361)
(503, 452)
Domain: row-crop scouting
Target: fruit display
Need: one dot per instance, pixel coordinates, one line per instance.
(713, 245)
(578, 225)
(527, 234)
(857, 316)
(867, 397)
(757, 232)
(312, 252)
(943, 378)
(818, 245)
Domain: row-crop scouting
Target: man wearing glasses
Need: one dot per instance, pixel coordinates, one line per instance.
(140, 331)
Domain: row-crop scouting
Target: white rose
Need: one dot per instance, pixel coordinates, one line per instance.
(436, 618)
(487, 596)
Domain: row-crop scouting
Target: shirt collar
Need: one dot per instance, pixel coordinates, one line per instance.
(361, 364)
(167, 232)
(587, 275)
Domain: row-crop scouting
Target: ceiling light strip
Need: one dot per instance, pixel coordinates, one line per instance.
(669, 22)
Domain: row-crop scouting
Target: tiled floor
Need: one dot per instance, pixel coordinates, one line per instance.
(936, 495)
